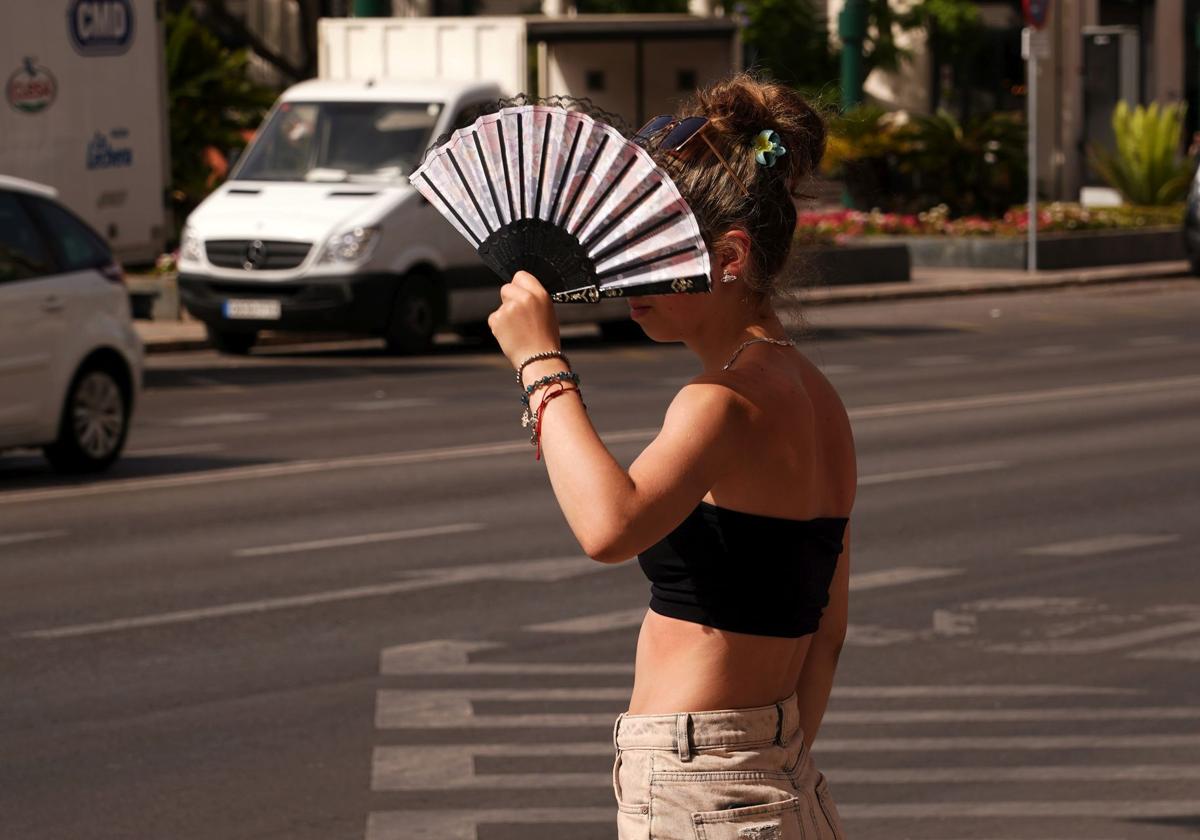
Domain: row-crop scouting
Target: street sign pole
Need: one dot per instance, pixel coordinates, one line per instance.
(1027, 46)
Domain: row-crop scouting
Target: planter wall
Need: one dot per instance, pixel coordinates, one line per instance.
(1086, 249)
(844, 265)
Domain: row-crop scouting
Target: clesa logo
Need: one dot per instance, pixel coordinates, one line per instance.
(31, 88)
(109, 151)
(100, 27)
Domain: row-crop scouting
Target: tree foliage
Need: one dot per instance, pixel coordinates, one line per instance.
(1145, 167)
(211, 104)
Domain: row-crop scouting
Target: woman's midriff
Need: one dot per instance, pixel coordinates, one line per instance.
(686, 667)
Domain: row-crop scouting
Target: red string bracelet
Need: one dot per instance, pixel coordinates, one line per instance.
(537, 431)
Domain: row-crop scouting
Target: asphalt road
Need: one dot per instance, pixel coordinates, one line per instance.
(328, 594)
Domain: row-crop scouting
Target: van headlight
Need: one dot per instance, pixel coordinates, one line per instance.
(191, 249)
(353, 246)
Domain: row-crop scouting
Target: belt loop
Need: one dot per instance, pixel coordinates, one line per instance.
(683, 743)
(779, 724)
(616, 726)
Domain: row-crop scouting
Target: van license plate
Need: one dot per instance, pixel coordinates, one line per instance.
(253, 310)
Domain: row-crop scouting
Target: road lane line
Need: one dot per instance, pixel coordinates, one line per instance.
(186, 449)
(1102, 644)
(1050, 350)
(550, 569)
(428, 768)
(359, 539)
(1102, 545)
(939, 361)
(30, 536)
(618, 619)
(454, 709)
(932, 472)
(1153, 340)
(224, 419)
(383, 404)
(388, 459)
(1186, 651)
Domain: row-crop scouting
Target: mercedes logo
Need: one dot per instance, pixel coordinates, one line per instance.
(256, 255)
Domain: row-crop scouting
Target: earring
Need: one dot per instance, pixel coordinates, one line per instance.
(728, 278)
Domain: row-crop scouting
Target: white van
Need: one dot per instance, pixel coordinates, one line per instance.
(318, 229)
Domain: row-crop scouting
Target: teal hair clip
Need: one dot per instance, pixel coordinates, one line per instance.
(767, 147)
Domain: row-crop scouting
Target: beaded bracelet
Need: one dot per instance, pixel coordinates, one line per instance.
(545, 354)
(545, 380)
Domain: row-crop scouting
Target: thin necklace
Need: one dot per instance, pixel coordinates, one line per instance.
(781, 342)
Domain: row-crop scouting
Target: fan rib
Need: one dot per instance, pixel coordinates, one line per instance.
(451, 208)
(603, 230)
(504, 162)
(466, 186)
(591, 164)
(521, 161)
(562, 181)
(487, 176)
(635, 238)
(537, 199)
(604, 195)
(642, 263)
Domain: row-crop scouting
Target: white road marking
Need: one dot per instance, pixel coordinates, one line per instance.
(1104, 389)
(1186, 741)
(619, 619)
(1036, 809)
(224, 419)
(389, 459)
(30, 536)
(186, 449)
(454, 709)
(837, 370)
(452, 767)
(461, 823)
(1185, 651)
(1102, 545)
(897, 576)
(939, 361)
(384, 405)
(1102, 644)
(1153, 340)
(932, 472)
(358, 539)
(551, 569)
(1050, 350)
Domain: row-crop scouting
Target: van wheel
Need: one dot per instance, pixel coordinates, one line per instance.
(94, 422)
(228, 341)
(415, 316)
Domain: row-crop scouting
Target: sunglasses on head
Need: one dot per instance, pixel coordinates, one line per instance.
(676, 133)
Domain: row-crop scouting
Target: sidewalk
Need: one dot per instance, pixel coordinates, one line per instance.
(178, 336)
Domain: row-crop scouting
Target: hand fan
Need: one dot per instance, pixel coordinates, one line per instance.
(568, 199)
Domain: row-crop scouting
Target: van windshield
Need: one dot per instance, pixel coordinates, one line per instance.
(340, 141)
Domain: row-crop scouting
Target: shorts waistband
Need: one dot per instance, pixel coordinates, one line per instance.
(690, 732)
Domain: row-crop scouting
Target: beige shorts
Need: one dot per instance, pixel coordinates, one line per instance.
(736, 774)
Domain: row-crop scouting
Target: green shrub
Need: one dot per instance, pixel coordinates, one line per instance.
(1146, 167)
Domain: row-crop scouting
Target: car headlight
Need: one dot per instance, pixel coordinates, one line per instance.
(191, 249)
(352, 246)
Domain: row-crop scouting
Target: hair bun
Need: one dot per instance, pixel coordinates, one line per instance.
(744, 105)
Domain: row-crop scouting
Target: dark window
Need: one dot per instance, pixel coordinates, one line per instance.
(23, 254)
(593, 80)
(79, 247)
(685, 80)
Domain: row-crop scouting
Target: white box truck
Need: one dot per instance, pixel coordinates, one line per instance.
(317, 227)
(84, 112)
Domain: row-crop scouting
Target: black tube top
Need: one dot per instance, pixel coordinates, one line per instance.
(745, 572)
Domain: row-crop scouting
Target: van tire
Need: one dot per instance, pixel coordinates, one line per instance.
(416, 315)
(231, 342)
(94, 421)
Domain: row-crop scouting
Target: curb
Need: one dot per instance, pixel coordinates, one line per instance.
(866, 293)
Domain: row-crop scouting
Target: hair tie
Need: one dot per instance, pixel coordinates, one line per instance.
(767, 147)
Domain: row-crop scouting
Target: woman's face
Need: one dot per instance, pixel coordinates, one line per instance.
(676, 317)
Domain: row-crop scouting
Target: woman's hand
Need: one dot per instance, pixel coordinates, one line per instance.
(525, 323)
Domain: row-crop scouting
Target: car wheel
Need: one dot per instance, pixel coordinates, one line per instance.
(415, 316)
(94, 422)
(228, 341)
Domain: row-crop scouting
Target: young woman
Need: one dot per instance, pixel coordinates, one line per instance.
(737, 511)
